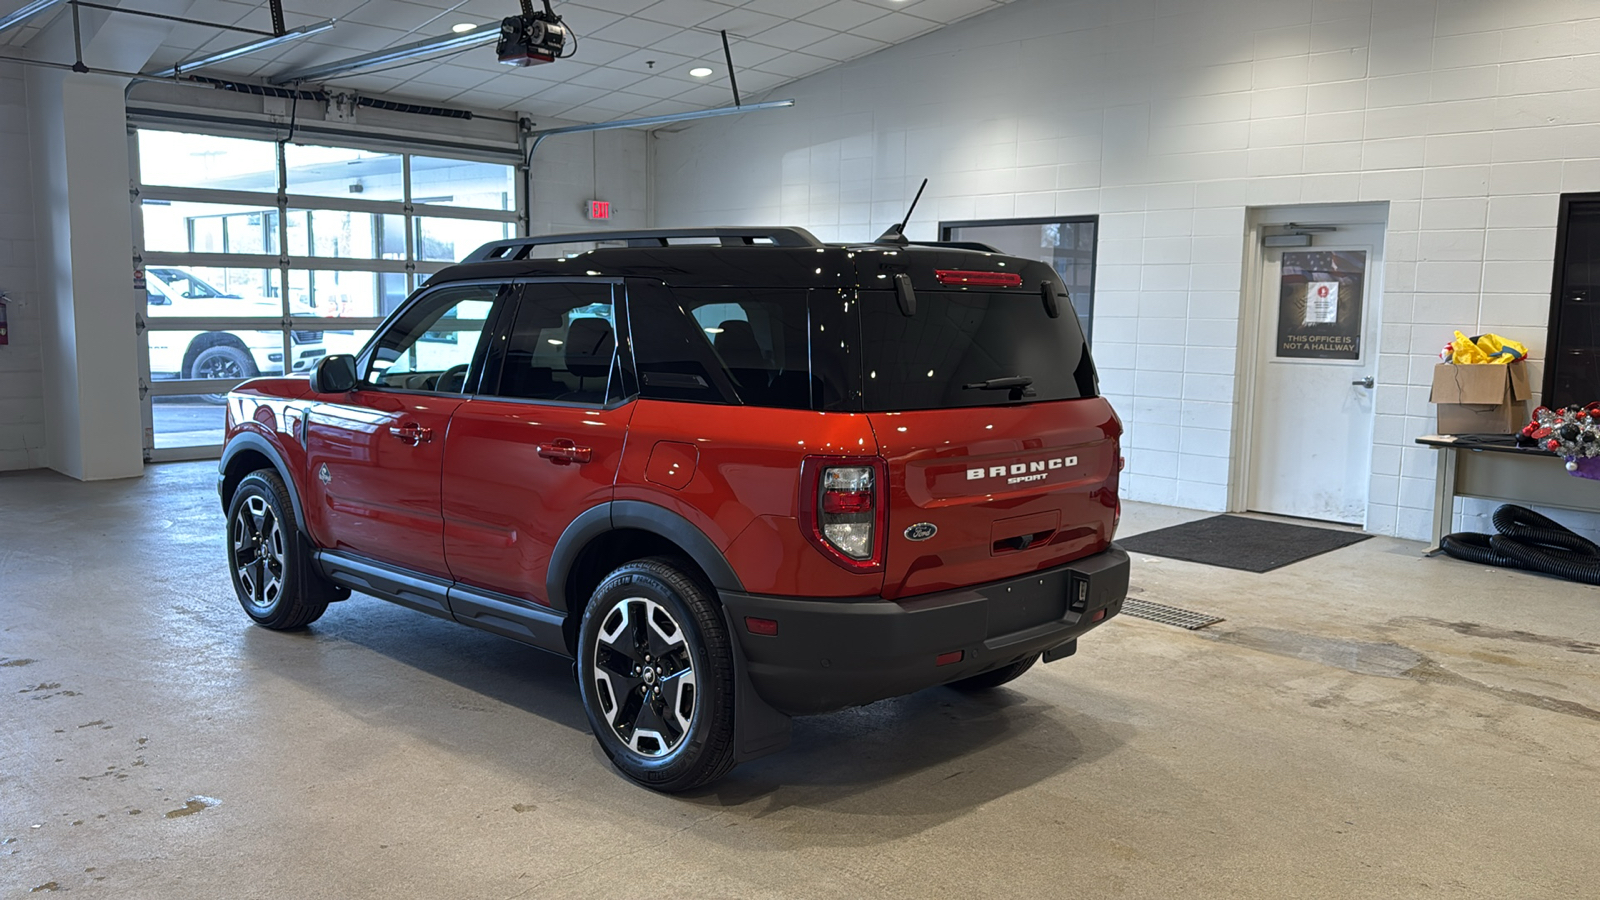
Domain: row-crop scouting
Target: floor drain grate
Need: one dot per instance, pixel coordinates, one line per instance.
(1168, 615)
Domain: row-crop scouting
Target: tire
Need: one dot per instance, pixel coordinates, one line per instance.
(995, 677)
(222, 361)
(655, 671)
(272, 573)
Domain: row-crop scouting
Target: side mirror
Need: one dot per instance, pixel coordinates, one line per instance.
(334, 374)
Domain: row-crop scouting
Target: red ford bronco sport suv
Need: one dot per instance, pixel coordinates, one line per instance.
(737, 474)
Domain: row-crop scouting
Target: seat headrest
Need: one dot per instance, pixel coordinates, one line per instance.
(736, 344)
(590, 346)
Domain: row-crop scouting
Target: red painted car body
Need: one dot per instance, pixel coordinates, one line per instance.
(991, 520)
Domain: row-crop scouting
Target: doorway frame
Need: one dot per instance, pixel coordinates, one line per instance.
(1251, 300)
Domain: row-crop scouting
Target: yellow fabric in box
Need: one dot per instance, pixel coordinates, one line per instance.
(1488, 349)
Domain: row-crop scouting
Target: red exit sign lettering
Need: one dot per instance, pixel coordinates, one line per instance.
(599, 209)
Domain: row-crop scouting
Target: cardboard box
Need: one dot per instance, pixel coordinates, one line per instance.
(1483, 399)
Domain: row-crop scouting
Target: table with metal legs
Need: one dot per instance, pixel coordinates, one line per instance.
(1489, 469)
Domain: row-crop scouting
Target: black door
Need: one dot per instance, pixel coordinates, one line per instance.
(1572, 372)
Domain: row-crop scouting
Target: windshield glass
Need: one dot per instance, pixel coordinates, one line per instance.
(186, 285)
(970, 348)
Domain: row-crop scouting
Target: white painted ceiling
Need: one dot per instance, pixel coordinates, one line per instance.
(610, 77)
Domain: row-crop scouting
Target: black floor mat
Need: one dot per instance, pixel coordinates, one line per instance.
(1235, 542)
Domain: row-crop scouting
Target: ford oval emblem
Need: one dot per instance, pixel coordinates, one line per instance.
(921, 531)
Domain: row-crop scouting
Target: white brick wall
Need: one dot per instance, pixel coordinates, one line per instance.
(570, 170)
(21, 381)
(1169, 120)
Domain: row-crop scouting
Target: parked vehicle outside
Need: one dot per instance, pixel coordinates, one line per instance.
(236, 353)
(736, 482)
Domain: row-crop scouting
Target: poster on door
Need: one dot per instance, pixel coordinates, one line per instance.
(1319, 304)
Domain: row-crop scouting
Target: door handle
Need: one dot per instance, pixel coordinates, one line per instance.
(564, 452)
(1365, 382)
(412, 433)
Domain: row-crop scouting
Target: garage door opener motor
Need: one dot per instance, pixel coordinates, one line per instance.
(533, 38)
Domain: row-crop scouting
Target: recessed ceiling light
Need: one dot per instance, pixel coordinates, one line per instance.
(464, 27)
(699, 71)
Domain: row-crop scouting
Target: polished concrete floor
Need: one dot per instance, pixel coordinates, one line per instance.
(1368, 723)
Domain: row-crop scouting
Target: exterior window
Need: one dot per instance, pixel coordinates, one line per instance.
(431, 347)
(959, 339)
(273, 255)
(562, 346)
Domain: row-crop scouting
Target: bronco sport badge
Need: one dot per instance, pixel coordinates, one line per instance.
(1018, 473)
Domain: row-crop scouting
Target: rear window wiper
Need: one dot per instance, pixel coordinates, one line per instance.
(1005, 383)
(1018, 385)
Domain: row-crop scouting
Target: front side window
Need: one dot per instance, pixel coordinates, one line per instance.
(432, 346)
(562, 345)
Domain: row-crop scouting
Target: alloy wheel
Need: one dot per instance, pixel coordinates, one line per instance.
(258, 552)
(644, 677)
(219, 367)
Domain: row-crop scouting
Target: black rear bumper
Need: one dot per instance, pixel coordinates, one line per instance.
(830, 654)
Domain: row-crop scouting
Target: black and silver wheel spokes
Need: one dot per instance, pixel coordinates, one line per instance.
(258, 552)
(644, 677)
(219, 367)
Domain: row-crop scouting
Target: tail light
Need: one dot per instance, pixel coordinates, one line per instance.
(843, 509)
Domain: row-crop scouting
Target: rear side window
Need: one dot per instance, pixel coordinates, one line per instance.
(723, 345)
(759, 337)
(958, 341)
(561, 346)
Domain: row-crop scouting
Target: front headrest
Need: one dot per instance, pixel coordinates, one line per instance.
(590, 345)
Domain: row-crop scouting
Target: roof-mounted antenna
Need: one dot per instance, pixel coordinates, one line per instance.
(897, 232)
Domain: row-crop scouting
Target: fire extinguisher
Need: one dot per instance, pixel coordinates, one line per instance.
(5, 332)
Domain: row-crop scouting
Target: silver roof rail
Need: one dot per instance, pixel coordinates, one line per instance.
(520, 248)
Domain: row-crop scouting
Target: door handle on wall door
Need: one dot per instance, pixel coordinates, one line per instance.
(564, 452)
(1365, 382)
(412, 433)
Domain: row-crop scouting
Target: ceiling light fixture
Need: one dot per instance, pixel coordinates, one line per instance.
(463, 28)
(700, 71)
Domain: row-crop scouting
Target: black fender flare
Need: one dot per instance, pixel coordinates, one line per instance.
(250, 441)
(615, 515)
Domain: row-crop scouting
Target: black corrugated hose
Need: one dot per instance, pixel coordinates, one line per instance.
(1528, 540)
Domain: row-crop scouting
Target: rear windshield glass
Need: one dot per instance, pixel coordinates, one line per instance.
(970, 348)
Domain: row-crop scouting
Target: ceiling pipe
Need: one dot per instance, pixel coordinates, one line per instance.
(28, 10)
(222, 56)
(483, 34)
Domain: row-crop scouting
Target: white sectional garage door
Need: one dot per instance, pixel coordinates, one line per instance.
(258, 257)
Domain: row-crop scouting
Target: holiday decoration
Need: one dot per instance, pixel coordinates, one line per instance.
(1573, 433)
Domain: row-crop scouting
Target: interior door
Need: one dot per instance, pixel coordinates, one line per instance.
(1316, 358)
(374, 455)
(539, 444)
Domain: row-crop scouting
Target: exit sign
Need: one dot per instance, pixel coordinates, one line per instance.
(599, 209)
